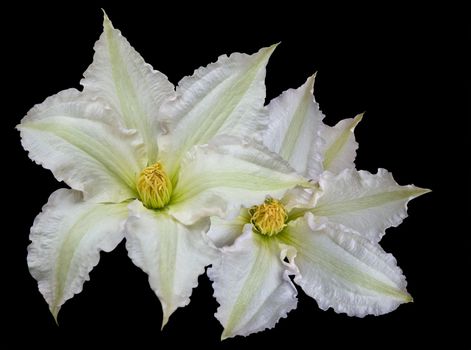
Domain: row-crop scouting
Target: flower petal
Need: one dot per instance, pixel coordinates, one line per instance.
(68, 135)
(224, 232)
(66, 240)
(217, 179)
(368, 203)
(252, 286)
(293, 129)
(172, 254)
(121, 79)
(342, 270)
(339, 150)
(224, 97)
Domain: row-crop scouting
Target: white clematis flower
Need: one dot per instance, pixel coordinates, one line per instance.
(326, 238)
(126, 147)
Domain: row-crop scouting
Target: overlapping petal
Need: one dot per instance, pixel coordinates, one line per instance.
(252, 286)
(219, 178)
(224, 97)
(224, 232)
(344, 271)
(172, 254)
(66, 240)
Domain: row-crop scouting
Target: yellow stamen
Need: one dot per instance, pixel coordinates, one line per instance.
(154, 186)
(269, 218)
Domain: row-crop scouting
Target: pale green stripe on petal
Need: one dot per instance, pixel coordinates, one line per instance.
(172, 254)
(342, 270)
(251, 284)
(367, 203)
(224, 97)
(217, 179)
(340, 145)
(70, 135)
(293, 129)
(120, 78)
(67, 238)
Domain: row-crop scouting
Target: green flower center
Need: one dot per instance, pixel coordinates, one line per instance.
(154, 186)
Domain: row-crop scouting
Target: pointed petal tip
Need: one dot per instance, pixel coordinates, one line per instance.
(164, 323)
(358, 118)
(55, 312)
(418, 191)
(310, 81)
(165, 317)
(267, 51)
(106, 20)
(225, 335)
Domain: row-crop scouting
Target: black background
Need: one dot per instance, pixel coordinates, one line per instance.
(402, 66)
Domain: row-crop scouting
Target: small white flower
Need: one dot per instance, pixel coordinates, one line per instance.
(127, 145)
(327, 238)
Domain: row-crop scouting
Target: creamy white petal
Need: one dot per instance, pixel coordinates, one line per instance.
(300, 197)
(251, 284)
(66, 240)
(224, 97)
(68, 134)
(172, 254)
(293, 129)
(368, 203)
(344, 271)
(219, 178)
(121, 79)
(224, 232)
(339, 150)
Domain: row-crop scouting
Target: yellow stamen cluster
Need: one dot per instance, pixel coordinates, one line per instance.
(154, 187)
(269, 218)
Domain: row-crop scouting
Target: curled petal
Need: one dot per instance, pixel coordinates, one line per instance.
(224, 232)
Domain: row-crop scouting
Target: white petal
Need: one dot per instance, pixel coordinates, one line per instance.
(121, 79)
(66, 240)
(293, 129)
(224, 97)
(252, 286)
(339, 150)
(300, 197)
(219, 178)
(342, 270)
(365, 202)
(172, 254)
(224, 232)
(69, 135)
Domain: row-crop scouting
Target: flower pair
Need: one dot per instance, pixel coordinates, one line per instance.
(205, 174)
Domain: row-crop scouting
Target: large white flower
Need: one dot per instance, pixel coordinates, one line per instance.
(126, 147)
(326, 238)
